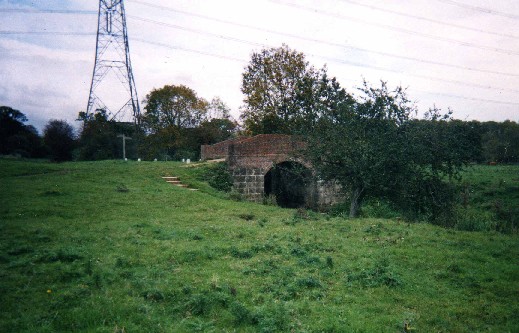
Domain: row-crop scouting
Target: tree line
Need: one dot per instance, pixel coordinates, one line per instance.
(176, 122)
(98, 138)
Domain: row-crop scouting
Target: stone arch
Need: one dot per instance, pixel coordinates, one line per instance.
(291, 183)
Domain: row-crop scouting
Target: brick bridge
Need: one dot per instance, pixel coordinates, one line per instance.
(266, 165)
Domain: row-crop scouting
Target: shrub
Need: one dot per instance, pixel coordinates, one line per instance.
(379, 209)
(470, 219)
(219, 177)
(241, 314)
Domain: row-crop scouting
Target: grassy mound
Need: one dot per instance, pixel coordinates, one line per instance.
(110, 247)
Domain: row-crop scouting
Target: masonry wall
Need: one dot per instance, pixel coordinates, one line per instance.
(249, 160)
(250, 182)
(218, 150)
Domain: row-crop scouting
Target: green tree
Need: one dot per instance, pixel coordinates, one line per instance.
(373, 147)
(278, 85)
(177, 122)
(173, 105)
(59, 138)
(217, 109)
(16, 137)
(99, 139)
(500, 141)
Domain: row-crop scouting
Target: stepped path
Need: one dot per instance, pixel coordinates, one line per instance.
(176, 181)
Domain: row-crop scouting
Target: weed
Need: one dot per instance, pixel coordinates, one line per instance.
(241, 314)
(375, 229)
(262, 222)
(271, 318)
(246, 217)
(340, 210)
(153, 295)
(199, 325)
(235, 195)
(122, 188)
(298, 252)
(470, 219)
(380, 274)
(270, 200)
(329, 262)
(52, 193)
(63, 255)
(379, 209)
(301, 213)
(241, 254)
(309, 282)
(17, 251)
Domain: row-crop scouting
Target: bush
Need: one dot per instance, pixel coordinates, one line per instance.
(470, 219)
(219, 177)
(379, 209)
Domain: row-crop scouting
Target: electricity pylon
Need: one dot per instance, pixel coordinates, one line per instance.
(112, 80)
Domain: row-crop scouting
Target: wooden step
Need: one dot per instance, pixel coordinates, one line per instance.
(170, 178)
(173, 181)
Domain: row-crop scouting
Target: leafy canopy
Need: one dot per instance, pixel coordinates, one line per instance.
(373, 146)
(173, 105)
(275, 83)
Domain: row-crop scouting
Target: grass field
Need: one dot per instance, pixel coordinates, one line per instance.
(110, 247)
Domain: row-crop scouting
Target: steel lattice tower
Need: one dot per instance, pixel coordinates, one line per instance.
(112, 66)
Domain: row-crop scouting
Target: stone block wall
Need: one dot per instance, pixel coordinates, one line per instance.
(249, 182)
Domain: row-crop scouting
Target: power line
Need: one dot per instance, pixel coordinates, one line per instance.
(481, 9)
(335, 60)
(44, 33)
(362, 65)
(432, 62)
(188, 50)
(210, 54)
(46, 11)
(331, 59)
(279, 33)
(429, 19)
(466, 98)
(201, 32)
(402, 30)
(242, 61)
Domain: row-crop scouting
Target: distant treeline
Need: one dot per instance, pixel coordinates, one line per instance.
(99, 138)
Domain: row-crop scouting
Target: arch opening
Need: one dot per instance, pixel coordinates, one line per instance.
(289, 183)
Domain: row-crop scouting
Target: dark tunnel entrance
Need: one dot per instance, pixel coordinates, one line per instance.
(289, 183)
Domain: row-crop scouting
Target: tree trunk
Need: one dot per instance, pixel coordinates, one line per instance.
(356, 201)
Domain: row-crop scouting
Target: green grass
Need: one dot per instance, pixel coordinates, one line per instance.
(110, 247)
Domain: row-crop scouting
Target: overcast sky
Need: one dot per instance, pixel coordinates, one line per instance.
(462, 54)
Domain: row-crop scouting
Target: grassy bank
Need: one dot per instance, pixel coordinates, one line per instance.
(110, 247)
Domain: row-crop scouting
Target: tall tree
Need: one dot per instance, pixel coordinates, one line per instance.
(217, 109)
(173, 105)
(275, 84)
(59, 138)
